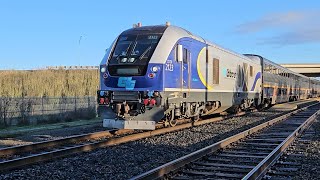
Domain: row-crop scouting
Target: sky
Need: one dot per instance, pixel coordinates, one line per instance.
(35, 34)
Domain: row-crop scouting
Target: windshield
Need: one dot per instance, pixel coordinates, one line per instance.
(134, 49)
(123, 46)
(132, 53)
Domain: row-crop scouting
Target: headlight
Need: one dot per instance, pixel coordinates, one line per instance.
(124, 60)
(155, 69)
(103, 69)
(101, 93)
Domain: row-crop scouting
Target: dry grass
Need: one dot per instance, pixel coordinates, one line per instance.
(48, 83)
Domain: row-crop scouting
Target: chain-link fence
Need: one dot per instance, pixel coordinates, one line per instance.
(33, 110)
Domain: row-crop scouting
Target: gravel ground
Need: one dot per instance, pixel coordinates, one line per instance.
(306, 155)
(133, 158)
(311, 161)
(44, 135)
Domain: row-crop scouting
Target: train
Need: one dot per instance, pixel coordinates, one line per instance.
(162, 73)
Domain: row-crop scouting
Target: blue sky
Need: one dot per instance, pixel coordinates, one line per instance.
(35, 34)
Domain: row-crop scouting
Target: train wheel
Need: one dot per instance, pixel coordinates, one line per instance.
(237, 110)
(173, 122)
(170, 119)
(195, 118)
(267, 104)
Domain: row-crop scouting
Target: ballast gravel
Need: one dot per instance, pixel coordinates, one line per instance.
(53, 134)
(133, 158)
(305, 152)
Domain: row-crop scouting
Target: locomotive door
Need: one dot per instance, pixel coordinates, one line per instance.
(185, 67)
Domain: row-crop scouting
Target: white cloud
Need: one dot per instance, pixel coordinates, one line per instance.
(298, 27)
(311, 35)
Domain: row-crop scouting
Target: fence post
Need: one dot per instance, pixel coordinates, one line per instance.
(88, 102)
(60, 105)
(42, 109)
(75, 104)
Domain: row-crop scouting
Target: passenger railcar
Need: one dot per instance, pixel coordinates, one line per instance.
(163, 73)
(281, 84)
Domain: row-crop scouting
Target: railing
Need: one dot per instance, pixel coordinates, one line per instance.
(72, 67)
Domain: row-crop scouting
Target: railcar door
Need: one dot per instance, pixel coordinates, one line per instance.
(185, 67)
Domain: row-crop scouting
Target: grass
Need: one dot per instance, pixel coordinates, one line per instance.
(48, 83)
(20, 130)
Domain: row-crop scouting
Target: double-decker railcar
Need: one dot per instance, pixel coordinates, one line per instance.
(281, 84)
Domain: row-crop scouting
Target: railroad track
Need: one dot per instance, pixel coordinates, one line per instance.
(289, 164)
(247, 155)
(18, 156)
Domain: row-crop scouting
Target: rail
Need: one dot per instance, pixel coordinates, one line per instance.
(47, 150)
(257, 171)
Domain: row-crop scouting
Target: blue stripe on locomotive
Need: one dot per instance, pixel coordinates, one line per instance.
(172, 68)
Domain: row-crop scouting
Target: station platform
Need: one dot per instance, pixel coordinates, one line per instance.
(289, 106)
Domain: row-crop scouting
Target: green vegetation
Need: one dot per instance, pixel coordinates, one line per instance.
(18, 130)
(48, 83)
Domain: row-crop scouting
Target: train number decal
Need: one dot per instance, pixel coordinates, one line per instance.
(169, 65)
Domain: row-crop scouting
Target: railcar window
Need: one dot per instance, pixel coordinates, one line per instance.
(284, 91)
(215, 71)
(185, 55)
(251, 71)
(240, 76)
(290, 91)
(266, 68)
(245, 75)
(175, 53)
(245, 67)
(270, 69)
(279, 91)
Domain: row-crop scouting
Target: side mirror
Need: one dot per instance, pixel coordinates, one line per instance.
(180, 55)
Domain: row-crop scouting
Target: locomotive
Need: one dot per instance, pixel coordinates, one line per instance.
(162, 73)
